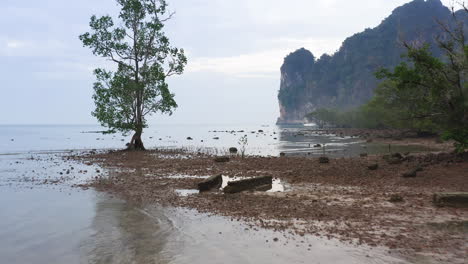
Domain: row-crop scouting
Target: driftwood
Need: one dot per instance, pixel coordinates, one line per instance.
(222, 159)
(213, 182)
(451, 199)
(254, 184)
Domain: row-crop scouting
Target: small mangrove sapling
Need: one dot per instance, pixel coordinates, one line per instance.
(243, 142)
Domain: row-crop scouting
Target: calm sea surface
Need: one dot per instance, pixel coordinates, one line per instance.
(59, 224)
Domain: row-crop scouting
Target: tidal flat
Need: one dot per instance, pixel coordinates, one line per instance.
(112, 206)
(342, 200)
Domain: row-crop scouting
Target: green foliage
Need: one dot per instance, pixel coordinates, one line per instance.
(460, 136)
(144, 59)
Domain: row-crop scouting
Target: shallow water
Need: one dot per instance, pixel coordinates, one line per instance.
(55, 223)
(272, 141)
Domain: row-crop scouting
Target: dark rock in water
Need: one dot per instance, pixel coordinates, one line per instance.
(451, 199)
(282, 154)
(260, 131)
(221, 159)
(216, 138)
(393, 159)
(233, 150)
(410, 174)
(396, 198)
(213, 182)
(189, 138)
(373, 166)
(324, 160)
(317, 146)
(363, 155)
(249, 184)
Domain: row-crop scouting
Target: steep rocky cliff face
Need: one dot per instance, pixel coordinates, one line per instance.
(346, 79)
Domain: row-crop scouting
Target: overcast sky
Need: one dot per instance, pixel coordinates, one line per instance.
(235, 51)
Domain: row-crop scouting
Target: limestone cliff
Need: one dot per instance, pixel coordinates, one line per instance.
(346, 79)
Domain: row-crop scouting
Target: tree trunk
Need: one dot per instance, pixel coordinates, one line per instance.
(136, 143)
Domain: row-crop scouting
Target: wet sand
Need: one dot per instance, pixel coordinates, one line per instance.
(342, 200)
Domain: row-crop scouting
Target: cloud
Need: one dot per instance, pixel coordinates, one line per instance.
(15, 44)
(262, 64)
(14, 47)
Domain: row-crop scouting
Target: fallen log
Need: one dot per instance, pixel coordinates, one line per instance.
(451, 199)
(258, 183)
(222, 159)
(213, 182)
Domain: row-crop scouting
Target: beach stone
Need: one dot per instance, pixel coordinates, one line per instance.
(216, 138)
(410, 174)
(363, 155)
(222, 159)
(373, 166)
(393, 159)
(189, 138)
(282, 154)
(249, 184)
(260, 131)
(324, 160)
(233, 150)
(213, 182)
(396, 198)
(451, 199)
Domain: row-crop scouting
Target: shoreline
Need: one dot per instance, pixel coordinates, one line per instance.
(343, 200)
